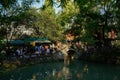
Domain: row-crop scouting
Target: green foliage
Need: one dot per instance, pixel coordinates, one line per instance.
(6, 3)
(117, 43)
(9, 12)
(43, 22)
(90, 15)
(101, 15)
(68, 12)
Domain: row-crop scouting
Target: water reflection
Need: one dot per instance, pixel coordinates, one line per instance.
(76, 70)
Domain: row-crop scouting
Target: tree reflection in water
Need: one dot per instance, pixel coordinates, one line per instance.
(76, 70)
(66, 74)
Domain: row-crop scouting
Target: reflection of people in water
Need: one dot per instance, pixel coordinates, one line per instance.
(85, 68)
(66, 60)
(79, 75)
(33, 77)
(64, 73)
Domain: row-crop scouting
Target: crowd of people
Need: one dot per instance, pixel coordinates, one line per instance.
(24, 51)
(38, 50)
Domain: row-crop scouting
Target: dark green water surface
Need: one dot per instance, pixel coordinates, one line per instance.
(77, 70)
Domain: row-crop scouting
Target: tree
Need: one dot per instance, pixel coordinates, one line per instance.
(16, 11)
(10, 10)
(101, 15)
(46, 23)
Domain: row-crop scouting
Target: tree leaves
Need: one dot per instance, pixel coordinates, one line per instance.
(6, 3)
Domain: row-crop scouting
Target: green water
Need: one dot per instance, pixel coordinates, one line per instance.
(77, 70)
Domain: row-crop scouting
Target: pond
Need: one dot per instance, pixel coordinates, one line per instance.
(76, 70)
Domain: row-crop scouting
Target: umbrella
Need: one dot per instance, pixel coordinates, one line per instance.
(43, 40)
(16, 42)
(29, 40)
(36, 40)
